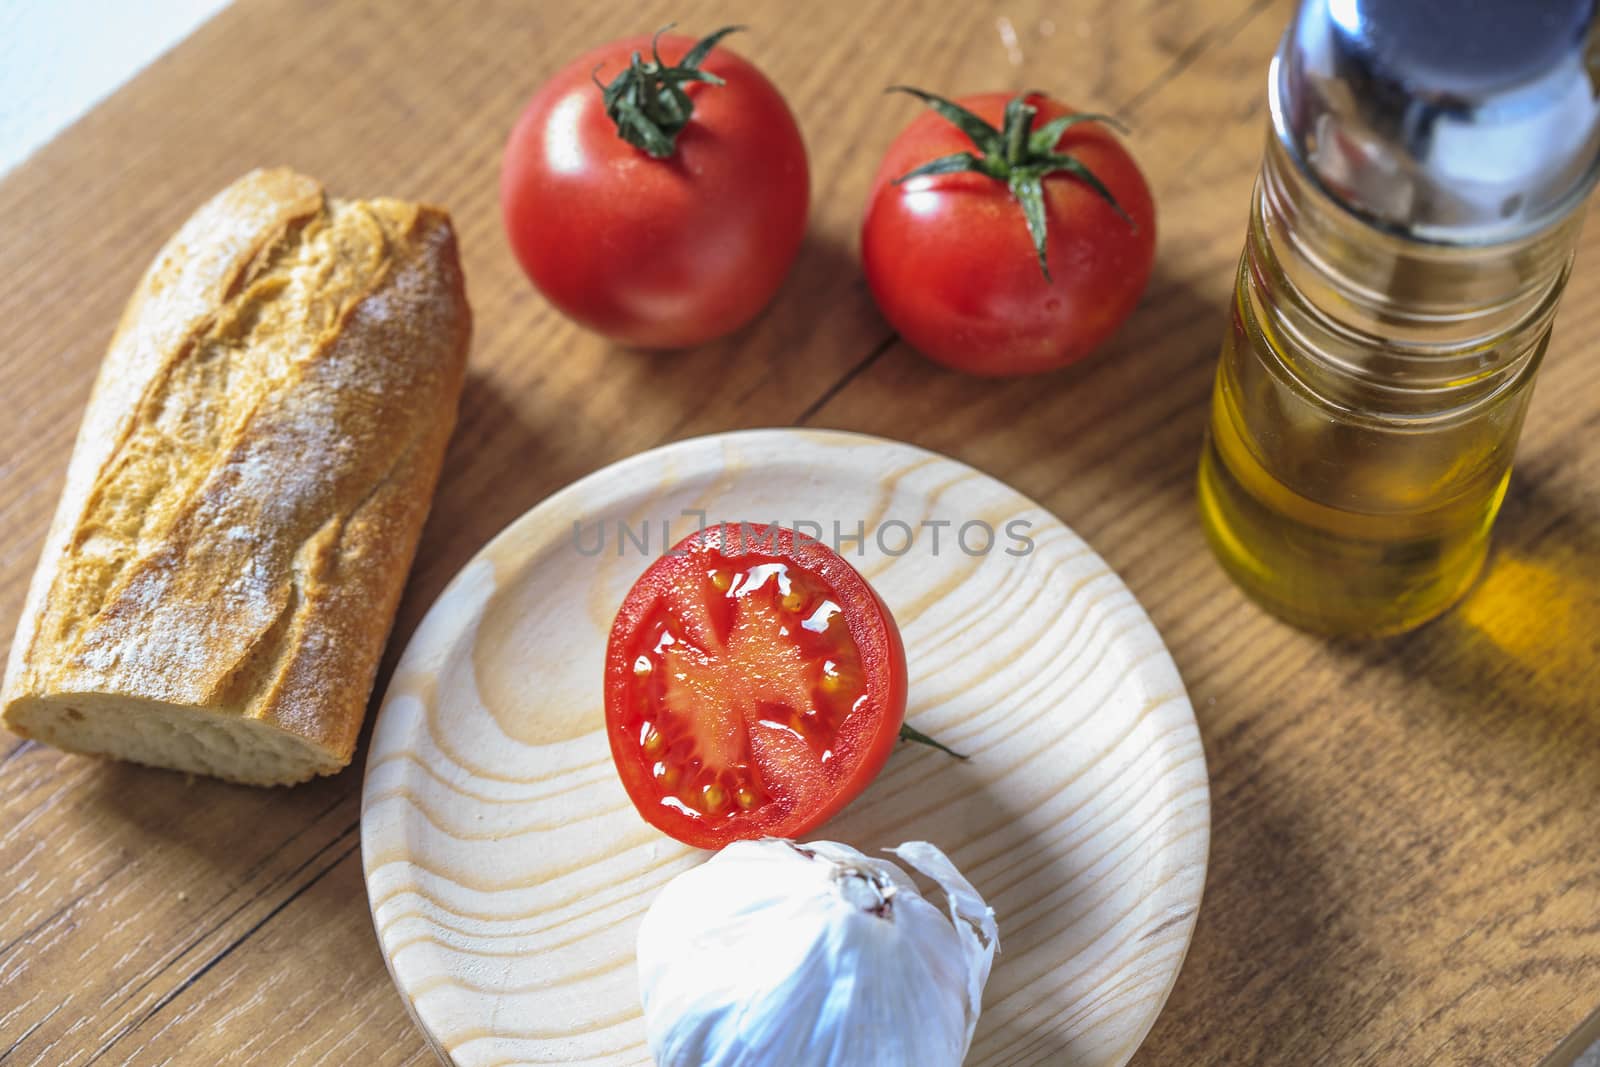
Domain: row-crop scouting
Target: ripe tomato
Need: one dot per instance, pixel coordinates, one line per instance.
(657, 252)
(754, 685)
(950, 257)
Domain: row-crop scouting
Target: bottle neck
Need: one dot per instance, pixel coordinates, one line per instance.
(1398, 327)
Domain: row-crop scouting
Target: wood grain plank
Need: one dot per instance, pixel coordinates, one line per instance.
(1403, 869)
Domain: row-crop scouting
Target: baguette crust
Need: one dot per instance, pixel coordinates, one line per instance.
(248, 487)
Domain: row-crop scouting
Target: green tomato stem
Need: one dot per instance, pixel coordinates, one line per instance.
(647, 101)
(1018, 155)
(911, 733)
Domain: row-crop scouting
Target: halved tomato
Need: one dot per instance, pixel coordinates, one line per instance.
(755, 683)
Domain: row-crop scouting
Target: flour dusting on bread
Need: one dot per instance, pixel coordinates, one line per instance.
(249, 485)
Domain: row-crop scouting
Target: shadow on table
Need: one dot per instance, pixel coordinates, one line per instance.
(498, 466)
(1125, 422)
(812, 335)
(825, 284)
(1277, 899)
(189, 828)
(1518, 660)
(1526, 637)
(1511, 679)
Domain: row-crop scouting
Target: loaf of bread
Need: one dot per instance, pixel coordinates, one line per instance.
(248, 488)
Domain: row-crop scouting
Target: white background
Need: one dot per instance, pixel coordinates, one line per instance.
(58, 58)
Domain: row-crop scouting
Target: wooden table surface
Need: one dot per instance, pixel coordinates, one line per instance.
(1405, 863)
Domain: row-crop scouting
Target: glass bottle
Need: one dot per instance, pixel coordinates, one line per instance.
(1411, 231)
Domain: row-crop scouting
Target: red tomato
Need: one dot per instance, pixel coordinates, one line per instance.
(754, 685)
(953, 268)
(659, 253)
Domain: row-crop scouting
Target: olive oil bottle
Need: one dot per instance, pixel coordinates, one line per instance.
(1395, 297)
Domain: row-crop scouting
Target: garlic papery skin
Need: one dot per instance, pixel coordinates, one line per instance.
(775, 954)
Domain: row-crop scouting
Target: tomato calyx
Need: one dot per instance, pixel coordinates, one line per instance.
(647, 101)
(1018, 155)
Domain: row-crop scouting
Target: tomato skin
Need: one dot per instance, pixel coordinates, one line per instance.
(656, 253)
(863, 746)
(951, 266)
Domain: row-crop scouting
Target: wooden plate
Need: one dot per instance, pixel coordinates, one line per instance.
(508, 872)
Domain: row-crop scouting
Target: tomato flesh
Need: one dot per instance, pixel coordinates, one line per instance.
(751, 692)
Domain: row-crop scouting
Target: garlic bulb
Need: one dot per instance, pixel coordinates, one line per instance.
(814, 955)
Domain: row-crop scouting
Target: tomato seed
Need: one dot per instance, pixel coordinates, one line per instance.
(653, 742)
(746, 798)
(713, 797)
(721, 580)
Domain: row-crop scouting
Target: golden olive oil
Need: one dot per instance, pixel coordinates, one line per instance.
(1304, 519)
(1367, 406)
